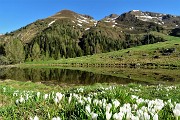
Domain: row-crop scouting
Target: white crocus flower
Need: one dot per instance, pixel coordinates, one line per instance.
(21, 100)
(138, 101)
(4, 89)
(159, 104)
(108, 107)
(134, 106)
(27, 96)
(134, 97)
(176, 113)
(146, 116)
(38, 94)
(170, 103)
(81, 102)
(56, 118)
(59, 96)
(176, 110)
(177, 106)
(144, 109)
(134, 117)
(128, 115)
(118, 116)
(94, 116)
(108, 115)
(56, 100)
(96, 101)
(17, 102)
(104, 103)
(70, 98)
(46, 96)
(88, 109)
(140, 114)
(89, 100)
(155, 117)
(35, 118)
(116, 103)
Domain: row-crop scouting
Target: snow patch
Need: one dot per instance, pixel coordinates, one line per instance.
(93, 20)
(79, 25)
(82, 17)
(95, 24)
(135, 10)
(107, 21)
(79, 21)
(85, 21)
(87, 29)
(82, 20)
(51, 23)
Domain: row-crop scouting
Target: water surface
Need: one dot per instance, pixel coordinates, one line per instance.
(87, 76)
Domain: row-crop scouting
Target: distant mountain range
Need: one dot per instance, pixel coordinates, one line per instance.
(131, 21)
(69, 34)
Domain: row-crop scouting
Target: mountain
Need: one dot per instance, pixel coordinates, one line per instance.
(69, 34)
(27, 33)
(165, 20)
(138, 21)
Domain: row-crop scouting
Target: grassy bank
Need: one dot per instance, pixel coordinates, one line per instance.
(26, 100)
(153, 54)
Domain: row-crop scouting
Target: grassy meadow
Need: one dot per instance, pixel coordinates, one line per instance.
(36, 101)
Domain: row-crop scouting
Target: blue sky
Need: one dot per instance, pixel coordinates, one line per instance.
(18, 13)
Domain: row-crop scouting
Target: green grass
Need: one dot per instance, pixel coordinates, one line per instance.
(128, 56)
(74, 101)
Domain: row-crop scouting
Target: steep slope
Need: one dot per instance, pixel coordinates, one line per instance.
(137, 21)
(27, 33)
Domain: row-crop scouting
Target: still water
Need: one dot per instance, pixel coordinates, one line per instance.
(87, 76)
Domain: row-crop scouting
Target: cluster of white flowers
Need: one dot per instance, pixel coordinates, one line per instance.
(58, 97)
(137, 109)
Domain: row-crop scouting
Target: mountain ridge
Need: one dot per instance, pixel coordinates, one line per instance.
(68, 34)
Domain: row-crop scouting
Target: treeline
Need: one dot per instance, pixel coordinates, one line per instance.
(64, 41)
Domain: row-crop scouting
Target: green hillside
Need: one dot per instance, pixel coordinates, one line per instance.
(162, 53)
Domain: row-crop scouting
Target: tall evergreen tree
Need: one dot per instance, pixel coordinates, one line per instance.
(36, 53)
(14, 51)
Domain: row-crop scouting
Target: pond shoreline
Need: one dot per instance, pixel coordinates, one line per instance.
(108, 65)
